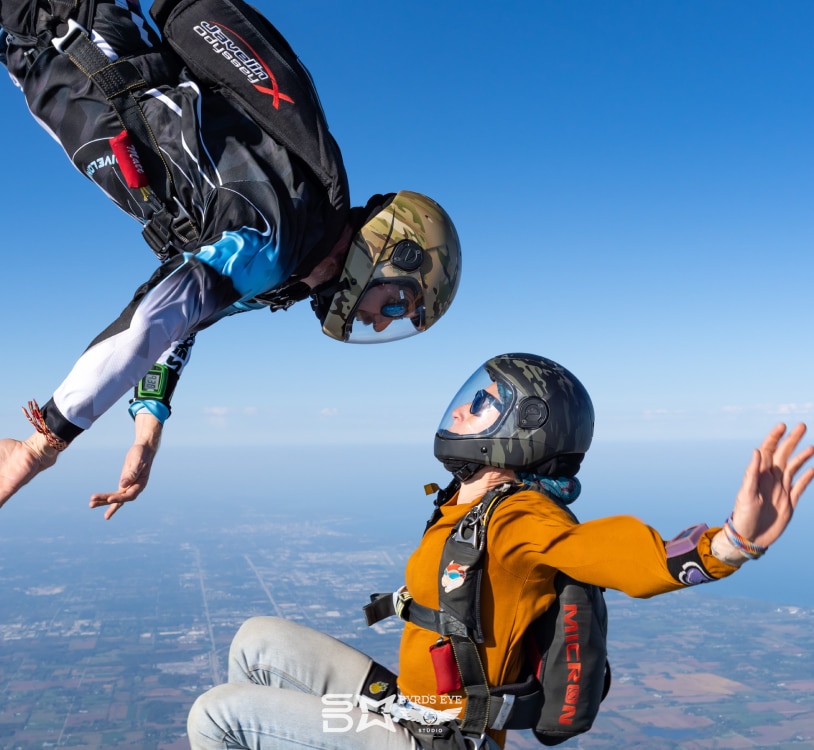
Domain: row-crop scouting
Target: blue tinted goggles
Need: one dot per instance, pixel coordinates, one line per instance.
(395, 310)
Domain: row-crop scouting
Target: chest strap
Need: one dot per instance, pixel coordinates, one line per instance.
(401, 604)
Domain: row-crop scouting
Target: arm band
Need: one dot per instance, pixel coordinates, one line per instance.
(683, 559)
(154, 393)
(156, 408)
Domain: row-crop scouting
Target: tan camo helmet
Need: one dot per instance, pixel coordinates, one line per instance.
(410, 246)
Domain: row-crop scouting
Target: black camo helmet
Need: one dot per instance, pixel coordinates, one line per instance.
(542, 419)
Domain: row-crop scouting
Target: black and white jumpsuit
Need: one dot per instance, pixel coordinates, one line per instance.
(258, 214)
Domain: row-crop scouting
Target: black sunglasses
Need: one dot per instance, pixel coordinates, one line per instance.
(482, 401)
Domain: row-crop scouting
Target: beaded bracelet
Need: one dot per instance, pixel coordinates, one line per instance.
(750, 549)
(38, 422)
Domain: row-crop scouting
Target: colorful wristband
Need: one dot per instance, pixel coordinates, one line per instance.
(34, 415)
(750, 549)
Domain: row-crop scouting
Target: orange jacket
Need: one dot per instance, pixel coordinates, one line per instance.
(529, 539)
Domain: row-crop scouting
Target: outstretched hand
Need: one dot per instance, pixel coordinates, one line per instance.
(21, 461)
(136, 470)
(133, 480)
(771, 490)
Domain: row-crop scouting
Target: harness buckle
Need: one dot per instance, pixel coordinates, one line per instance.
(401, 602)
(472, 522)
(477, 743)
(75, 30)
(163, 230)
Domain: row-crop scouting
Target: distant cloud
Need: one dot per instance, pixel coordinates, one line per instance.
(734, 412)
(225, 411)
(792, 409)
(807, 408)
(44, 590)
(329, 411)
(216, 411)
(662, 413)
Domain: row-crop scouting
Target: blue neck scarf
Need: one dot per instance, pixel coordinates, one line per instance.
(564, 490)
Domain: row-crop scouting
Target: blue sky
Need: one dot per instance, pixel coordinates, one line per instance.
(632, 183)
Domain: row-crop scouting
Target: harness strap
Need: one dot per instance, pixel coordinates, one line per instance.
(118, 80)
(505, 707)
(517, 708)
(283, 297)
(383, 606)
(64, 9)
(380, 608)
(163, 230)
(475, 685)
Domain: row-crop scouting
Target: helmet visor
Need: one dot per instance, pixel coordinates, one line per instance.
(386, 311)
(479, 407)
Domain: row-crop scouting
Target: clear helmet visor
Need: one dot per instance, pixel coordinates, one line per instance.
(386, 311)
(479, 408)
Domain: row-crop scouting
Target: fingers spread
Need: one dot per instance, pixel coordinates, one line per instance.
(800, 485)
(789, 444)
(769, 446)
(752, 475)
(796, 463)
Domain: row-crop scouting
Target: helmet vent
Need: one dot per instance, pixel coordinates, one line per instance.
(407, 256)
(533, 413)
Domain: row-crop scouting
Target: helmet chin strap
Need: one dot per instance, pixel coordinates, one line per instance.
(322, 295)
(461, 470)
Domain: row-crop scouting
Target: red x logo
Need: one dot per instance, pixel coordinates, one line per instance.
(274, 90)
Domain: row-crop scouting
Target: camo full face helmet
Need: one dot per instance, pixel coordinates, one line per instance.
(517, 411)
(400, 276)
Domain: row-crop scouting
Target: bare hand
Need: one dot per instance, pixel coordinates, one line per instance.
(769, 494)
(21, 461)
(133, 480)
(136, 470)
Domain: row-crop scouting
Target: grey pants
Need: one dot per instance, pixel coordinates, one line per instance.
(291, 687)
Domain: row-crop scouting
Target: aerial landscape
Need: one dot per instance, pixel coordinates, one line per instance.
(630, 185)
(108, 644)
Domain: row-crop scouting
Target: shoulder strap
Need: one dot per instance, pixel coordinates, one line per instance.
(118, 81)
(463, 555)
(495, 497)
(460, 569)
